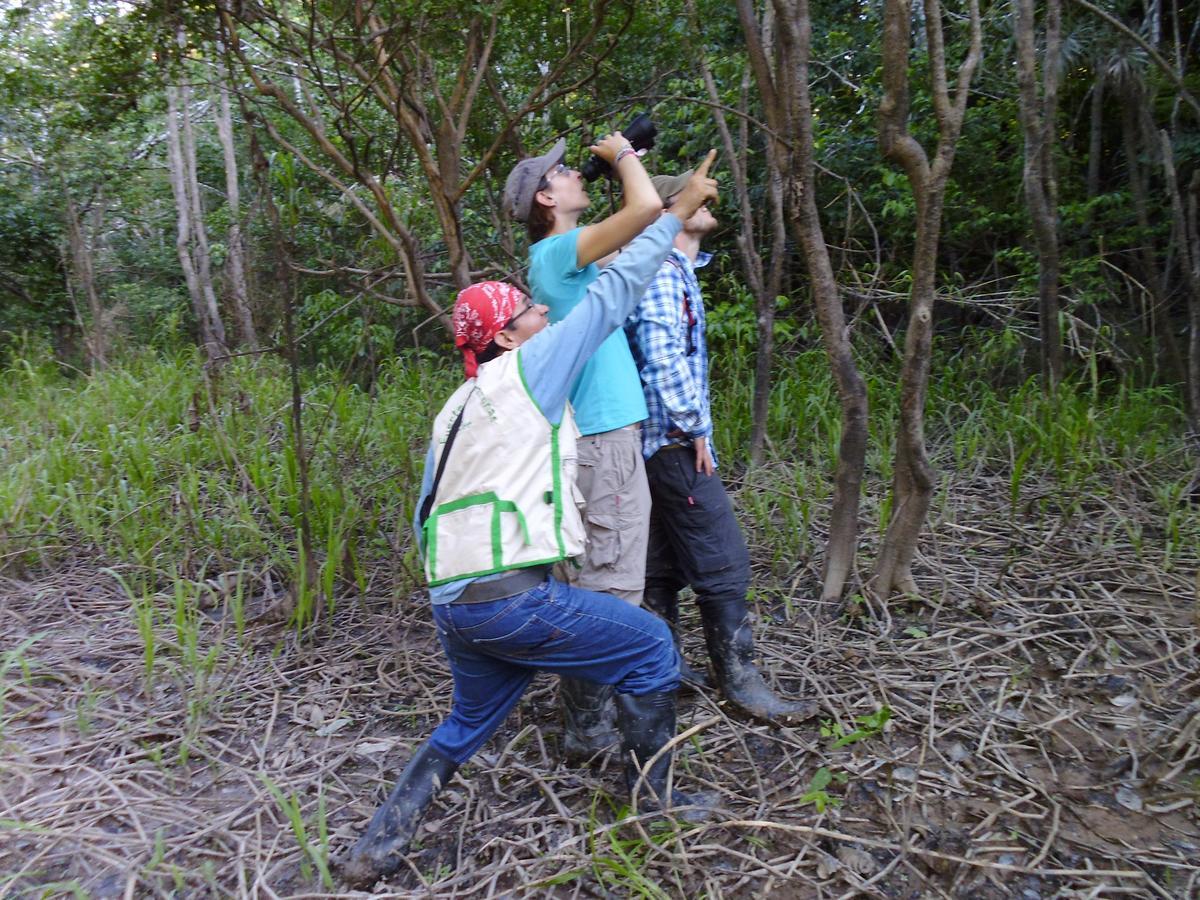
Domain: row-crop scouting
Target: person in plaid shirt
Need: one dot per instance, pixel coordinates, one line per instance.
(694, 536)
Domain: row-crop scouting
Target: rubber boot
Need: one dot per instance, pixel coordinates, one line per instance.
(731, 649)
(589, 719)
(665, 604)
(647, 722)
(379, 851)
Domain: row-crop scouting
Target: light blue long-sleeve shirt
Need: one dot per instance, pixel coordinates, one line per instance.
(608, 393)
(553, 358)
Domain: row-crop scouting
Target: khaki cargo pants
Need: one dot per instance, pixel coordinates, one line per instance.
(616, 515)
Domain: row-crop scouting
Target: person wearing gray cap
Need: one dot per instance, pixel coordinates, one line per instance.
(550, 198)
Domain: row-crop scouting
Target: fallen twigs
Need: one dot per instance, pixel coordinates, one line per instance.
(1042, 738)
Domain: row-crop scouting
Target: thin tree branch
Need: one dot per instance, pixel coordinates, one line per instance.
(1166, 68)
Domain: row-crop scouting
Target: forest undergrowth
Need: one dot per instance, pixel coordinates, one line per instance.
(182, 714)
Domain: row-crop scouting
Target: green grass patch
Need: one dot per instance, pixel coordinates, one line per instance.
(171, 478)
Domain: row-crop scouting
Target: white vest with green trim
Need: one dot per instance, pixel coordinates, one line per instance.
(507, 498)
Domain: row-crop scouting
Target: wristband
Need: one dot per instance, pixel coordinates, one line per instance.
(624, 152)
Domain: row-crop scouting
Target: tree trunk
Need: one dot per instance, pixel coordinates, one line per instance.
(1194, 361)
(1152, 275)
(1130, 133)
(764, 302)
(208, 320)
(852, 390)
(235, 257)
(914, 476)
(772, 287)
(387, 72)
(787, 106)
(1193, 231)
(445, 202)
(764, 355)
(96, 338)
(443, 167)
(1186, 240)
(1038, 125)
(1095, 135)
(200, 249)
(301, 602)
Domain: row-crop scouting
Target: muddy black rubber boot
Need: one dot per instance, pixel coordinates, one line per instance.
(589, 719)
(647, 722)
(665, 604)
(731, 648)
(379, 851)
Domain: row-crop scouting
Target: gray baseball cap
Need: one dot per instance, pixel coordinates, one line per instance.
(670, 185)
(523, 180)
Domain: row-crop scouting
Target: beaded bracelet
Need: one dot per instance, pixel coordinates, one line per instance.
(623, 152)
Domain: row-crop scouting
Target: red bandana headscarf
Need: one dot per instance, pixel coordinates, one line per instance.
(479, 313)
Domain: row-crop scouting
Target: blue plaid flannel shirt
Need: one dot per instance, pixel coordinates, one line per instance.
(672, 355)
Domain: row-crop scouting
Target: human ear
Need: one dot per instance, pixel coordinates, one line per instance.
(506, 339)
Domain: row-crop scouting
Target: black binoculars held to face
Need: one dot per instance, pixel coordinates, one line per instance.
(640, 133)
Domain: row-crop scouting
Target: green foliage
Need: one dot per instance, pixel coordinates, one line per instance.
(77, 85)
(733, 320)
(154, 316)
(868, 726)
(619, 856)
(134, 466)
(314, 848)
(139, 466)
(345, 331)
(145, 465)
(81, 115)
(32, 291)
(816, 793)
(70, 888)
(14, 658)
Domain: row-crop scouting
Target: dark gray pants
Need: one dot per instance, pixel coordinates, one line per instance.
(695, 538)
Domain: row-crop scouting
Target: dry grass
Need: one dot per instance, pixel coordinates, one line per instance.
(1043, 742)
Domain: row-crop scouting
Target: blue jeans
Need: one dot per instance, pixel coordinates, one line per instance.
(495, 649)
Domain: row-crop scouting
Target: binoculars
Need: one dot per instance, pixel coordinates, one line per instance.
(640, 133)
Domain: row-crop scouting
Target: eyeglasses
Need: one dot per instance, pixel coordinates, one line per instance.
(560, 169)
(510, 323)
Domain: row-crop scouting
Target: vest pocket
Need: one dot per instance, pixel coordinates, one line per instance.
(469, 533)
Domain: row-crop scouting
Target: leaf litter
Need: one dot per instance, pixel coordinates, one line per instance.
(1042, 741)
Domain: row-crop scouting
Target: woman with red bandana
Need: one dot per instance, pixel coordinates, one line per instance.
(498, 510)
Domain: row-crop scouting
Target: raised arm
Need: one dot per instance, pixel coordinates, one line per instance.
(553, 359)
(641, 205)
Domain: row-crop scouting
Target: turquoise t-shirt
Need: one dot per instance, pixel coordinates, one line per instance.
(608, 393)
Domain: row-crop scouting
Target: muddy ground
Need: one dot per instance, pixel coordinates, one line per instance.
(1043, 740)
